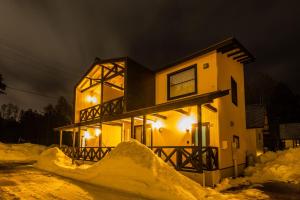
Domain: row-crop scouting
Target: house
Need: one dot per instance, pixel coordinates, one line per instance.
(290, 135)
(257, 126)
(191, 112)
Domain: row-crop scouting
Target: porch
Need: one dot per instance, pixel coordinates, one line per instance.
(182, 158)
(184, 133)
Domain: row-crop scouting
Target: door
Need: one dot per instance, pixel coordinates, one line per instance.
(138, 134)
(205, 135)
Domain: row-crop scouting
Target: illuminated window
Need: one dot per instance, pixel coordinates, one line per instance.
(234, 97)
(182, 83)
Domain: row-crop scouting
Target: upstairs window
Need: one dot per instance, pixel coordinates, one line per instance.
(182, 82)
(234, 96)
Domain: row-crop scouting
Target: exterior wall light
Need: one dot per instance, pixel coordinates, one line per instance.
(158, 125)
(91, 99)
(185, 124)
(97, 132)
(86, 135)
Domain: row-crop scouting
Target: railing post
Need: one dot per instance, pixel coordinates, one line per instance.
(178, 158)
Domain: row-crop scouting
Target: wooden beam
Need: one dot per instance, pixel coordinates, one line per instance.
(240, 56)
(234, 53)
(211, 108)
(183, 111)
(243, 59)
(113, 85)
(159, 116)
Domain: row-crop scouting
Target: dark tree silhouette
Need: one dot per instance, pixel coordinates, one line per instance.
(9, 111)
(32, 126)
(2, 85)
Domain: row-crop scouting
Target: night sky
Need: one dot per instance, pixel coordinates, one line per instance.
(46, 46)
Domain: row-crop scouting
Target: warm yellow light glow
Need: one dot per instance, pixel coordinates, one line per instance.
(185, 124)
(91, 99)
(87, 135)
(97, 132)
(157, 125)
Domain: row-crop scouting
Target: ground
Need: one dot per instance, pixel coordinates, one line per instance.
(275, 190)
(26, 182)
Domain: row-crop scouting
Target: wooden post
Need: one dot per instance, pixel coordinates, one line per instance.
(199, 127)
(144, 129)
(60, 138)
(132, 127)
(100, 136)
(74, 136)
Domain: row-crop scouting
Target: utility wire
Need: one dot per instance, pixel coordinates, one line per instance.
(32, 92)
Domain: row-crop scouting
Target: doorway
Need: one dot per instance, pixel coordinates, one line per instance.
(138, 134)
(205, 135)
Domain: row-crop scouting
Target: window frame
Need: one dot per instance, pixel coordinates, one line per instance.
(236, 140)
(194, 66)
(234, 93)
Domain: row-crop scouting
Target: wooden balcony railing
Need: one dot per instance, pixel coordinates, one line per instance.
(114, 106)
(182, 158)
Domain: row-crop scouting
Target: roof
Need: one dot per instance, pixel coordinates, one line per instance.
(99, 61)
(255, 116)
(230, 45)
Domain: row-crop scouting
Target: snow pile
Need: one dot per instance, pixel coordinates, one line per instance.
(273, 166)
(20, 152)
(134, 168)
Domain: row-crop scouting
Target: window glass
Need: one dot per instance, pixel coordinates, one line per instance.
(182, 83)
(234, 98)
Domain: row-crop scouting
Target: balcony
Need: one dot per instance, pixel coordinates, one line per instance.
(112, 107)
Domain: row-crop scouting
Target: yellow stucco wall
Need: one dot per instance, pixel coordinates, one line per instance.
(206, 78)
(232, 118)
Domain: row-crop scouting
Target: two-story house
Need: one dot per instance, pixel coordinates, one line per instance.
(191, 112)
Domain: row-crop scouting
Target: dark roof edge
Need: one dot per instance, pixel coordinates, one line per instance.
(216, 46)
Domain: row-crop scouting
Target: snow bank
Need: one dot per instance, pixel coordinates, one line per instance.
(20, 152)
(273, 166)
(134, 168)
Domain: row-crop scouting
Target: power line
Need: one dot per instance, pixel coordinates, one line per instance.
(32, 92)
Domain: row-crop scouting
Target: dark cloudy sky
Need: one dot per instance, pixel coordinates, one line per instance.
(45, 46)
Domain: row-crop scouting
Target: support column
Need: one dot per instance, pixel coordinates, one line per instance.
(100, 136)
(60, 138)
(144, 129)
(74, 136)
(132, 127)
(199, 127)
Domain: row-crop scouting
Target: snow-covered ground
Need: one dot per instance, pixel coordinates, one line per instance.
(26, 183)
(131, 171)
(281, 166)
(133, 168)
(20, 152)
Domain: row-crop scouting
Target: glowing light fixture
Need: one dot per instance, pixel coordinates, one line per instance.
(97, 132)
(91, 99)
(87, 135)
(185, 124)
(158, 125)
